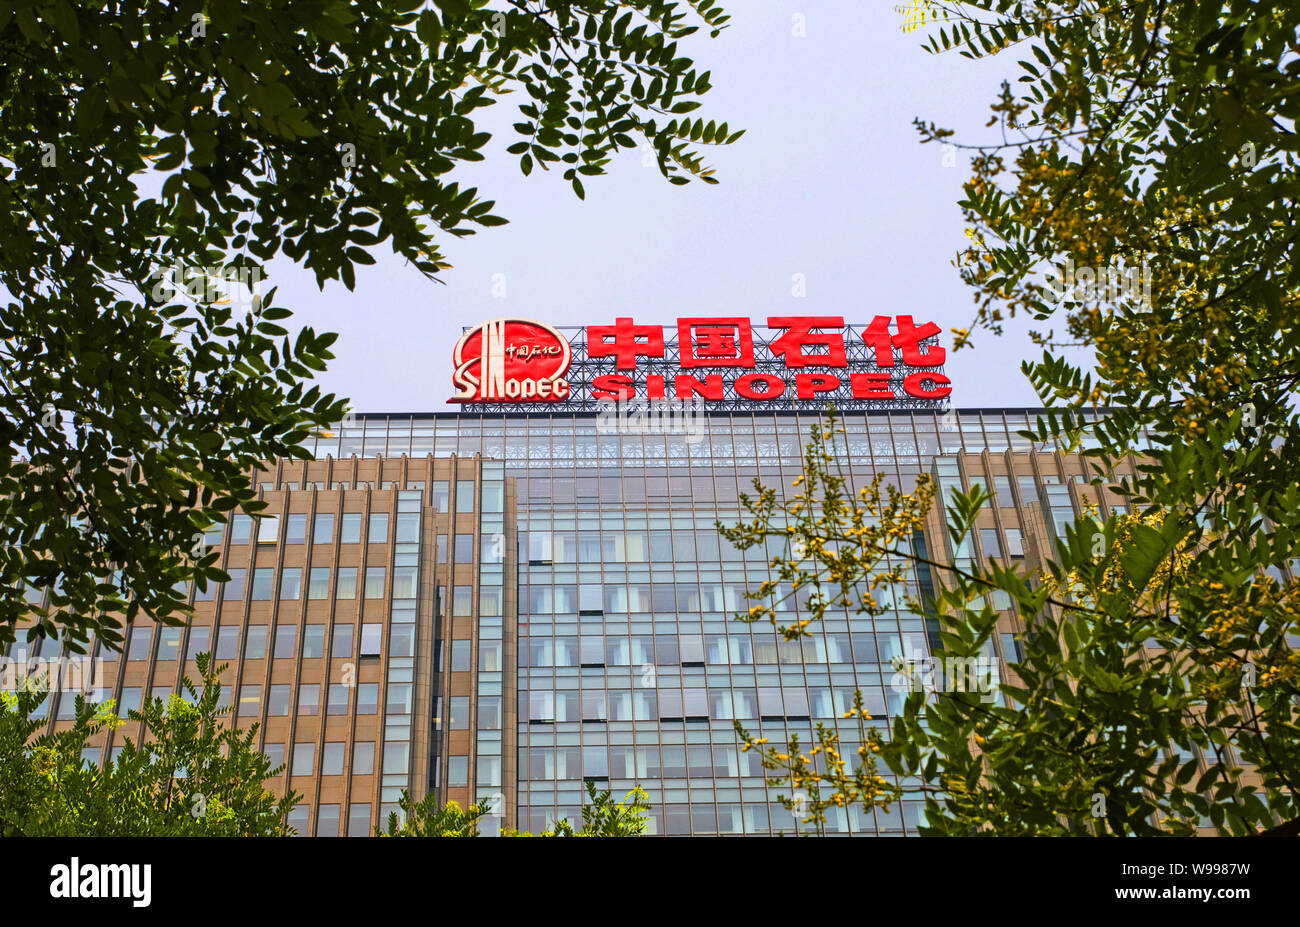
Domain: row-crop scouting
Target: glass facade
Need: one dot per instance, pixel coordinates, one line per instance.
(505, 607)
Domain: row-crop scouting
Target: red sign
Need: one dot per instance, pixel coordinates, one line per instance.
(517, 360)
(511, 360)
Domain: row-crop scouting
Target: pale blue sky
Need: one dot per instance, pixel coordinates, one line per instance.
(829, 181)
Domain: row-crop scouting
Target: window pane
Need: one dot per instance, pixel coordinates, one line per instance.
(255, 646)
(359, 819)
(295, 530)
(263, 584)
(313, 642)
(304, 758)
(374, 582)
(331, 759)
(378, 528)
(363, 759)
(342, 641)
(268, 529)
(233, 591)
(309, 699)
(277, 704)
(285, 639)
(338, 699)
(371, 635)
(464, 496)
(351, 524)
(368, 698)
(319, 586)
(324, 530)
(291, 583)
(227, 642)
(347, 583)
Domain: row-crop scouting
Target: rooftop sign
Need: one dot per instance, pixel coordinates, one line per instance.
(715, 362)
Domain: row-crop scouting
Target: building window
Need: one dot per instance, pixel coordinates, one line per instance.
(404, 582)
(338, 699)
(323, 532)
(198, 642)
(285, 638)
(460, 656)
(304, 759)
(327, 821)
(368, 698)
(399, 698)
(255, 645)
(374, 582)
(295, 529)
(291, 583)
(169, 644)
(268, 529)
(309, 699)
(319, 583)
(464, 548)
(359, 819)
(342, 641)
(141, 638)
(313, 642)
(277, 704)
(440, 496)
(233, 591)
(1015, 547)
(351, 525)
(459, 720)
(300, 820)
(241, 529)
(378, 528)
(250, 702)
(397, 758)
(263, 584)
(331, 759)
(989, 541)
(346, 587)
(363, 759)
(464, 496)
(462, 603)
(371, 639)
(408, 528)
(227, 642)
(458, 770)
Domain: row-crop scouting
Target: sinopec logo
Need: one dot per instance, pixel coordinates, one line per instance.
(511, 360)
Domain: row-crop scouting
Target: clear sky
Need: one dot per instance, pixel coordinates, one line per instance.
(829, 181)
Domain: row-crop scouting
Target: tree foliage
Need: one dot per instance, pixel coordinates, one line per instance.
(425, 819)
(1138, 203)
(192, 774)
(148, 150)
(602, 816)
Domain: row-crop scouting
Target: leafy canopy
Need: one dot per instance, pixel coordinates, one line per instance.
(192, 773)
(1137, 202)
(151, 151)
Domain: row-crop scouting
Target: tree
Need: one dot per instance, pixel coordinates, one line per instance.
(601, 817)
(191, 774)
(425, 819)
(1139, 198)
(154, 156)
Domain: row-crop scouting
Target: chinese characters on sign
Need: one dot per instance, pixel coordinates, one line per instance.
(711, 359)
